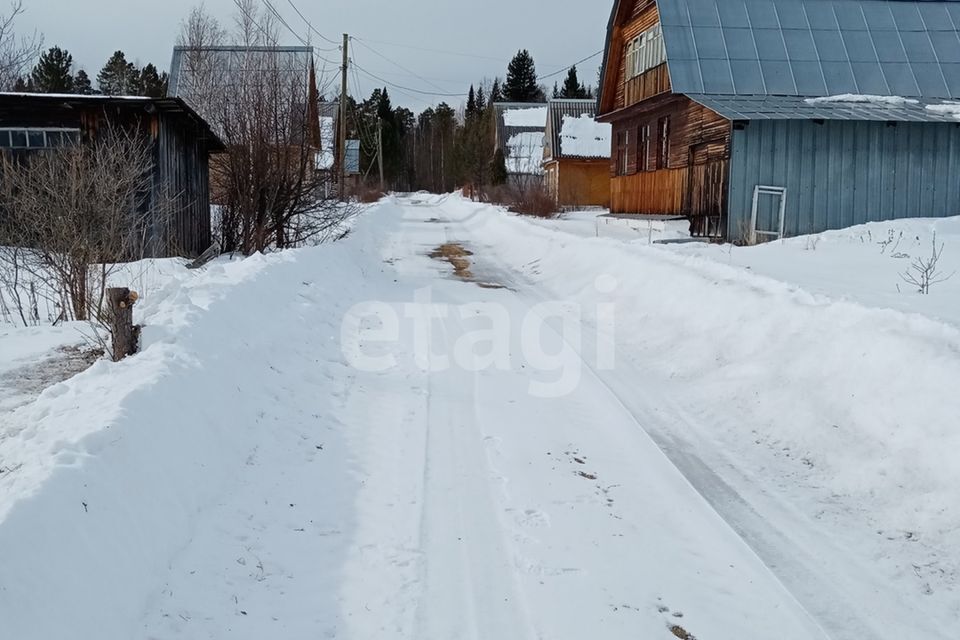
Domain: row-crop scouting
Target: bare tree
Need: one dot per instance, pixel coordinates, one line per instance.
(262, 101)
(71, 214)
(925, 272)
(17, 52)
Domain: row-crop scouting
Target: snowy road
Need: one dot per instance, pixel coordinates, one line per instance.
(384, 449)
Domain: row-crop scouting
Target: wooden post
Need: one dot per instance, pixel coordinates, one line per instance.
(342, 138)
(125, 336)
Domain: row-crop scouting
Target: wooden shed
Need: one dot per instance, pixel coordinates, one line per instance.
(182, 144)
(576, 154)
(760, 119)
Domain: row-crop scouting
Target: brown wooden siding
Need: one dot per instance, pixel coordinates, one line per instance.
(643, 16)
(580, 183)
(692, 179)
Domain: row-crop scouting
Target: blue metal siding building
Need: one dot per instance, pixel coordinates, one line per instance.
(841, 112)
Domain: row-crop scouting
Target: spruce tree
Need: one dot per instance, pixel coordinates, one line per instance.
(153, 83)
(498, 169)
(496, 95)
(556, 91)
(52, 72)
(119, 77)
(471, 102)
(23, 85)
(572, 87)
(82, 84)
(521, 84)
(481, 101)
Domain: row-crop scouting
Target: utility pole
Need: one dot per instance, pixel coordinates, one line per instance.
(380, 150)
(342, 143)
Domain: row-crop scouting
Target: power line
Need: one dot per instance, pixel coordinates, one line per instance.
(556, 73)
(311, 27)
(403, 88)
(398, 65)
(279, 17)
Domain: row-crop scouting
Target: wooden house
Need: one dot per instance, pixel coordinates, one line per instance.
(181, 143)
(576, 154)
(759, 119)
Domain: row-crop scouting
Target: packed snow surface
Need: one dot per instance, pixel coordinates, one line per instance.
(584, 137)
(526, 117)
(607, 439)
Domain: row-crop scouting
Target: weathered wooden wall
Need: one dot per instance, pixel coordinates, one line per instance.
(582, 183)
(699, 147)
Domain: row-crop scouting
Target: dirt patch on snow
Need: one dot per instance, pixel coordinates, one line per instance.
(22, 385)
(682, 633)
(457, 256)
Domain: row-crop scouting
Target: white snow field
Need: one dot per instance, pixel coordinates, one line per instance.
(651, 445)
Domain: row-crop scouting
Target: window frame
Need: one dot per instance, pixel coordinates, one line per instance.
(28, 139)
(643, 147)
(663, 142)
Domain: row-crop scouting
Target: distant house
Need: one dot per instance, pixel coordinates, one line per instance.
(759, 119)
(576, 156)
(182, 144)
(520, 136)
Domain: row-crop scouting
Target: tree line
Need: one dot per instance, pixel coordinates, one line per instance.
(54, 73)
(445, 147)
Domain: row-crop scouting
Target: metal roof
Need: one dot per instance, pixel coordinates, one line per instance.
(813, 47)
(175, 107)
(735, 107)
(504, 131)
(196, 72)
(557, 109)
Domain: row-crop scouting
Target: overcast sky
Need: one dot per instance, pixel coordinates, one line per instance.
(557, 33)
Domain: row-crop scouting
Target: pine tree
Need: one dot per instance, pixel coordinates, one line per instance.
(52, 72)
(119, 77)
(82, 84)
(153, 83)
(481, 101)
(471, 102)
(572, 87)
(23, 85)
(521, 84)
(556, 91)
(496, 95)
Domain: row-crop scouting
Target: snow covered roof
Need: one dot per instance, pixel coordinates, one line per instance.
(513, 118)
(524, 153)
(572, 131)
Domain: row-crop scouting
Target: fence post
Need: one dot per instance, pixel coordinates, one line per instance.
(125, 335)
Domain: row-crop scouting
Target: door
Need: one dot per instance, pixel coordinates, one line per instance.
(706, 189)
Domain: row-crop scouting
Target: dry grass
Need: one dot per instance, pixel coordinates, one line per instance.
(682, 633)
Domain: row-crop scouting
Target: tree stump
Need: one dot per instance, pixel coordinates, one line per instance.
(125, 336)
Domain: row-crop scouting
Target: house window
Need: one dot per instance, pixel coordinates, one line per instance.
(645, 52)
(623, 144)
(643, 148)
(663, 138)
(37, 138)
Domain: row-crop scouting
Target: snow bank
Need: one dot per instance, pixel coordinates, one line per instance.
(106, 476)
(530, 117)
(584, 137)
(892, 101)
(845, 412)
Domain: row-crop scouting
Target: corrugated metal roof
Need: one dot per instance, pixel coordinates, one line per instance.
(735, 107)
(557, 109)
(813, 47)
(196, 72)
